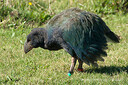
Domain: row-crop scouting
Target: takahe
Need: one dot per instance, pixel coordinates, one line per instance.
(82, 34)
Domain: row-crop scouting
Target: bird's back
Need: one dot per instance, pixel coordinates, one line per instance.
(63, 18)
(76, 17)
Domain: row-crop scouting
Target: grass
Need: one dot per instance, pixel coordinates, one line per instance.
(47, 67)
(50, 67)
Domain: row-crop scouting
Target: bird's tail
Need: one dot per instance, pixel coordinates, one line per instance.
(113, 36)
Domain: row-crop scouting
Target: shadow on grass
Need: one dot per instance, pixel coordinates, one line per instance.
(110, 70)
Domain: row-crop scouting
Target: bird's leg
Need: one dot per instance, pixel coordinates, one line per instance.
(72, 65)
(80, 65)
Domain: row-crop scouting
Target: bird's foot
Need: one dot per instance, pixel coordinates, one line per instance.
(80, 69)
(70, 73)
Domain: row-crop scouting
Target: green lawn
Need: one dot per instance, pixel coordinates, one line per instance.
(50, 67)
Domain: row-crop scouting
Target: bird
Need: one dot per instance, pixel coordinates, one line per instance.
(82, 34)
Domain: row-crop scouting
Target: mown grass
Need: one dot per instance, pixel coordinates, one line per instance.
(50, 67)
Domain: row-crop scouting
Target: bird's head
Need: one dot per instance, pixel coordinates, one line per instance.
(35, 39)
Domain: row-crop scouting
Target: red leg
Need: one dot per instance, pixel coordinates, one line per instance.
(80, 65)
